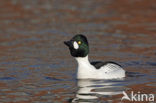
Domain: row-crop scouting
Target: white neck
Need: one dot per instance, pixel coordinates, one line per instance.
(82, 60)
(85, 69)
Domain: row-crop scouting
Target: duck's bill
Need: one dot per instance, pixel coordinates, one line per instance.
(68, 43)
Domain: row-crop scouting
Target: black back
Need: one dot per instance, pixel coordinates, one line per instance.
(99, 64)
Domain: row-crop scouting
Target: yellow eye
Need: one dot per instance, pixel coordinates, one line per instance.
(79, 42)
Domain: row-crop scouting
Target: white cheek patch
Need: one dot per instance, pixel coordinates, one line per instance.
(76, 46)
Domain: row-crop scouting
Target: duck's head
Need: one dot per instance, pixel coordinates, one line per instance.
(78, 46)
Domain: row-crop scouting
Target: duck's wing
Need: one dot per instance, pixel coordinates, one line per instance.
(110, 64)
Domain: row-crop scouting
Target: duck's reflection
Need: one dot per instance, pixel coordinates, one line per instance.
(90, 90)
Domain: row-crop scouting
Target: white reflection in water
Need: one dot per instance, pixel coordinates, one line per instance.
(91, 90)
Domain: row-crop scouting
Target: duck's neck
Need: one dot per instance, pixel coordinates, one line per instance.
(85, 69)
(82, 60)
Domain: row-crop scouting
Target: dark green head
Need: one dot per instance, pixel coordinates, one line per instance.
(78, 46)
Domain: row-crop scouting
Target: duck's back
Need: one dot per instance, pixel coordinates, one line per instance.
(108, 70)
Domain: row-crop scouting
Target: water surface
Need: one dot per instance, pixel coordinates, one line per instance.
(36, 67)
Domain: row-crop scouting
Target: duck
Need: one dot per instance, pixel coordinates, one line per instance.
(79, 49)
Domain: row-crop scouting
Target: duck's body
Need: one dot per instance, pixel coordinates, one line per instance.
(107, 70)
(79, 49)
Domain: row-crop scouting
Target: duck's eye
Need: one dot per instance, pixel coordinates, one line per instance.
(79, 42)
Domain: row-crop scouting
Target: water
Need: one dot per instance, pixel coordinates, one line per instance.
(36, 67)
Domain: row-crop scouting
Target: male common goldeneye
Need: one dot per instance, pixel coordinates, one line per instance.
(79, 48)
